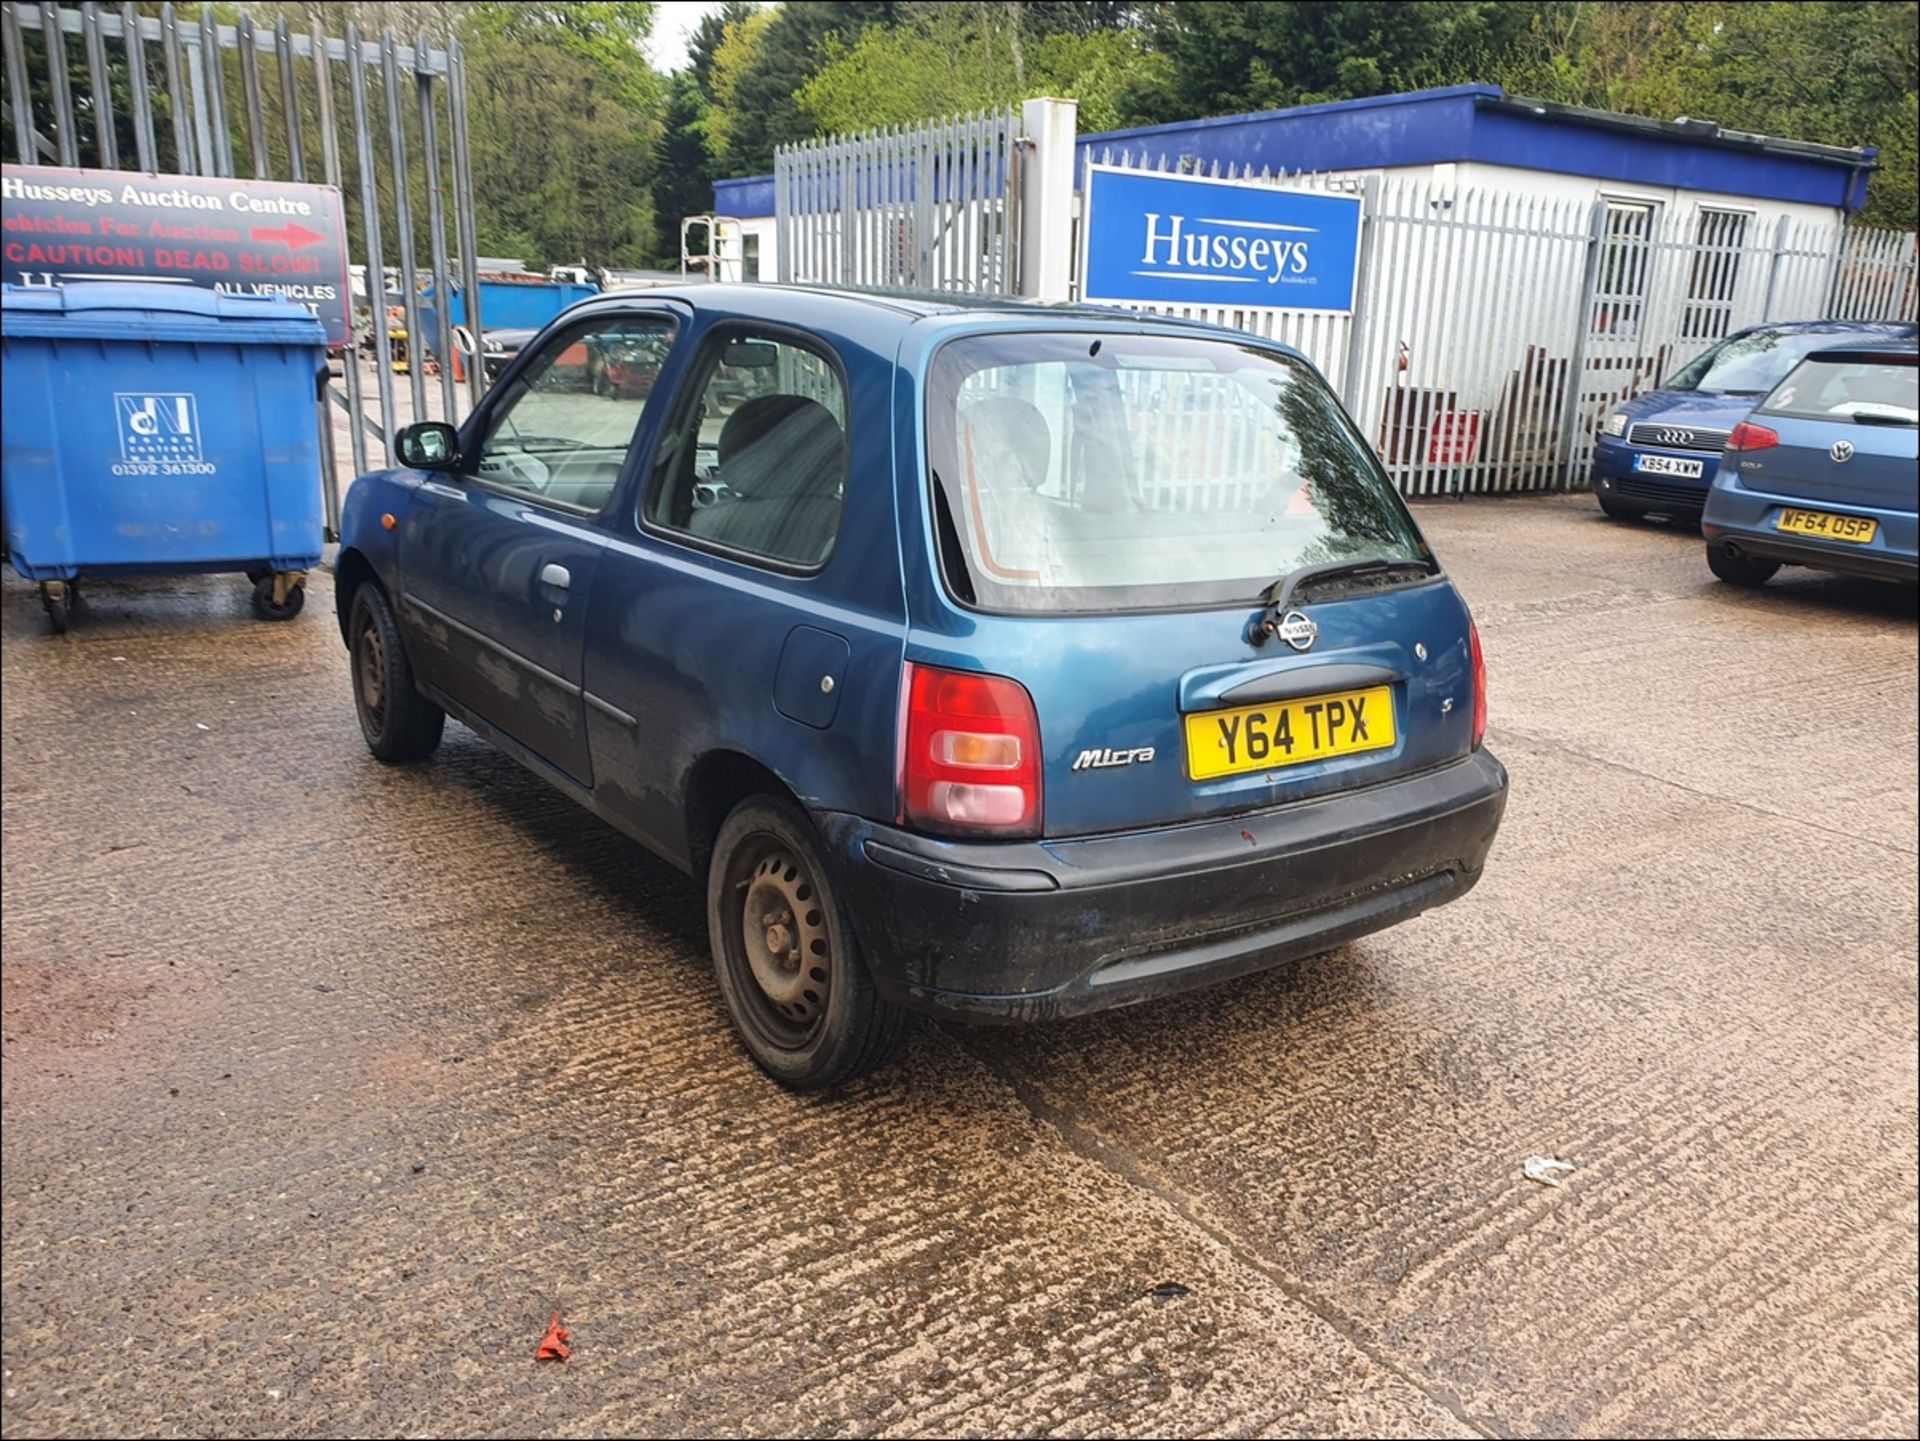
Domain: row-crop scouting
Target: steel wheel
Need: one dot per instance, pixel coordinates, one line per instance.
(370, 673)
(788, 963)
(784, 934)
(399, 723)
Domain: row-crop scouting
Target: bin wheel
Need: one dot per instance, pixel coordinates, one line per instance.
(267, 608)
(57, 597)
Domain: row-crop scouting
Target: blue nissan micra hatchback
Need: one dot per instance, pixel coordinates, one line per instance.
(979, 658)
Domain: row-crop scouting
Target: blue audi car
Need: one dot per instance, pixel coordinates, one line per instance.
(1658, 452)
(1824, 473)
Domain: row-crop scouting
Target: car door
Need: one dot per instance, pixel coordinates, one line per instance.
(498, 559)
(735, 623)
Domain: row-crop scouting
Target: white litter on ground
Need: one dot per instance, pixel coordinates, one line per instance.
(1546, 1170)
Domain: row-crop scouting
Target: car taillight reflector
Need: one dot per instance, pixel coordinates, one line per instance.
(970, 754)
(1479, 685)
(1748, 436)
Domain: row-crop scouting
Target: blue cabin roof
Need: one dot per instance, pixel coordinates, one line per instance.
(1474, 123)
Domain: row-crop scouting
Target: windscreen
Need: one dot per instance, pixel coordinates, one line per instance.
(1086, 472)
(1751, 364)
(1871, 392)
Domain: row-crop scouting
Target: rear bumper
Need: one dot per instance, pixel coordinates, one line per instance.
(1032, 931)
(1744, 519)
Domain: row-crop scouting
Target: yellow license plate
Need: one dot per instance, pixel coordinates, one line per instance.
(1286, 733)
(1855, 528)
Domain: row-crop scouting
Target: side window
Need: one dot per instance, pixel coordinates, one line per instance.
(758, 463)
(563, 432)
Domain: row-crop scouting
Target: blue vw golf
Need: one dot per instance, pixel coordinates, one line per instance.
(1658, 452)
(977, 658)
(1825, 473)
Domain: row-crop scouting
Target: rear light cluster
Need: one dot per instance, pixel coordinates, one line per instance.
(970, 754)
(1748, 436)
(1479, 685)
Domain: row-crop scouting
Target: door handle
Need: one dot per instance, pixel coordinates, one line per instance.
(556, 576)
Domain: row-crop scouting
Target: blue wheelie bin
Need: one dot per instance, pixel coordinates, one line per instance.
(160, 429)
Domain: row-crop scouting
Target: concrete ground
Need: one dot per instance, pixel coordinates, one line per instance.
(325, 1083)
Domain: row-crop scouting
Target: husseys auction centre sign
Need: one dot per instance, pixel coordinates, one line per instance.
(240, 237)
(1187, 240)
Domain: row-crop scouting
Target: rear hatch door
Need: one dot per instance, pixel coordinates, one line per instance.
(1177, 717)
(1845, 423)
(1115, 512)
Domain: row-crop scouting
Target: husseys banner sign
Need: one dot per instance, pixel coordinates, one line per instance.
(1187, 240)
(240, 237)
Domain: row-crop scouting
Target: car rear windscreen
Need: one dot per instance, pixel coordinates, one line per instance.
(1857, 389)
(1100, 472)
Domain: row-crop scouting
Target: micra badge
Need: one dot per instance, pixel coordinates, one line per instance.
(1103, 759)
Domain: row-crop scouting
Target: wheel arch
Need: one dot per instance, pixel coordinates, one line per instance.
(351, 570)
(716, 783)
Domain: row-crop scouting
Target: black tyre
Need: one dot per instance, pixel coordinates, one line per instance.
(267, 608)
(791, 973)
(398, 722)
(1619, 510)
(1747, 570)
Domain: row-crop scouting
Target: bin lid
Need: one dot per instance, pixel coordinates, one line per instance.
(151, 310)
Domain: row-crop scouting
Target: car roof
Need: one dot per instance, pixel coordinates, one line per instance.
(827, 304)
(1902, 351)
(879, 318)
(733, 295)
(1888, 328)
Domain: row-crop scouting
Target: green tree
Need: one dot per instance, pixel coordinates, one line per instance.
(763, 111)
(682, 178)
(1227, 57)
(1835, 71)
(707, 37)
(738, 55)
(958, 57)
(683, 168)
(564, 120)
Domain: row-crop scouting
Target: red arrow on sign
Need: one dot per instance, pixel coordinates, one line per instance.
(294, 237)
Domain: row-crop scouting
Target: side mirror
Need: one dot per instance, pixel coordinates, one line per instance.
(428, 445)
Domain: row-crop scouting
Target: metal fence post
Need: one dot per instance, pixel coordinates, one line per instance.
(106, 146)
(16, 59)
(143, 139)
(1046, 210)
(1780, 232)
(1362, 281)
(783, 238)
(1839, 268)
(1577, 366)
(466, 224)
(58, 84)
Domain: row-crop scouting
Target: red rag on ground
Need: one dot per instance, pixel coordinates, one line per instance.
(553, 1345)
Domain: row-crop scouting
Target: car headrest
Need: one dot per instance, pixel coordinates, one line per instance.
(1010, 442)
(781, 445)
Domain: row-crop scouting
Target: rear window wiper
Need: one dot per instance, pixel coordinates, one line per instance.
(1869, 418)
(1279, 595)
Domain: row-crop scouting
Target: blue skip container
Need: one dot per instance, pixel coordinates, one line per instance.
(160, 429)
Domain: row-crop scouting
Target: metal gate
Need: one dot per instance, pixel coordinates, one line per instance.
(108, 88)
(933, 207)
